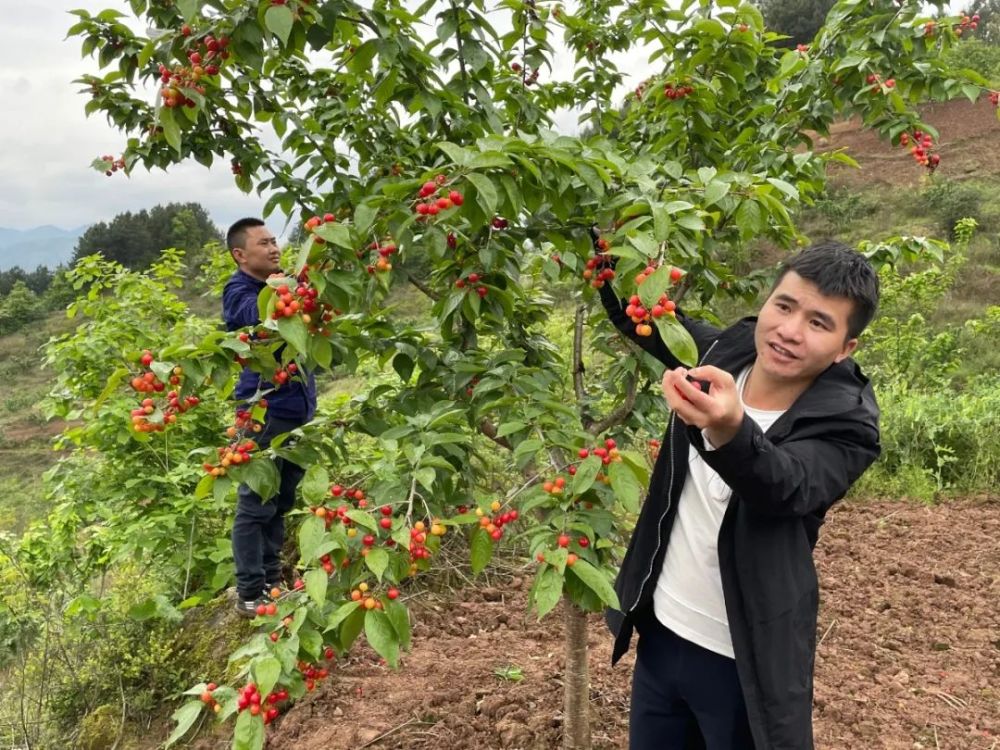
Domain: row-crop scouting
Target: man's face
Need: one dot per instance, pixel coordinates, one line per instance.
(259, 256)
(800, 331)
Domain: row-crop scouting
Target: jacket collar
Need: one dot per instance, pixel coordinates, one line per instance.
(246, 278)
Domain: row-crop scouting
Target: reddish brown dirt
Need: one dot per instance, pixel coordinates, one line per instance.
(968, 134)
(909, 654)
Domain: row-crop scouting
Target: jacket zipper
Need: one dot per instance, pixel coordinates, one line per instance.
(670, 487)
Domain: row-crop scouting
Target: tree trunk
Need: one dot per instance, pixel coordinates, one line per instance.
(576, 682)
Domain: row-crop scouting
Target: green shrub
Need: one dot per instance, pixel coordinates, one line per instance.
(950, 201)
(937, 440)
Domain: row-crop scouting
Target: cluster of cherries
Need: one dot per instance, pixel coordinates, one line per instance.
(599, 268)
(968, 23)
(470, 282)
(920, 150)
(677, 92)
(995, 98)
(385, 250)
(251, 700)
(563, 541)
(147, 382)
(368, 599)
(494, 526)
(283, 374)
(313, 673)
(236, 453)
(878, 85)
(641, 316)
(113, 164)
(434, 200)
(527, 78)
(302, 301)
(204, 58)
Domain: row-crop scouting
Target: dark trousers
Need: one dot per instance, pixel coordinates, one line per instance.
(259, 526)
(683, 696)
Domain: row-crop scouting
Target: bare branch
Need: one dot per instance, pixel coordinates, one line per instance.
(620, 414)
(424, 288)
(581, 393)
(490, 430)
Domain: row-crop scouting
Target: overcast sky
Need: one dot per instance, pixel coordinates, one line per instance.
(48, 143)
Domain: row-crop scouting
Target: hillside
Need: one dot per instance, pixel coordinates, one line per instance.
(40, 246)
(968, 137)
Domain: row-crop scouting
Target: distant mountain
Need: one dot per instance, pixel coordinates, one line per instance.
(38, 246)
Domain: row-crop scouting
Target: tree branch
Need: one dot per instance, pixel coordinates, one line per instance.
(621, 413)
(424, 288)
(490, 430)
(461, 54)
(581, 393)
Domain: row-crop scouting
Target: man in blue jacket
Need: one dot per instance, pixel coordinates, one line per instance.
(259, 526)
(719, 577)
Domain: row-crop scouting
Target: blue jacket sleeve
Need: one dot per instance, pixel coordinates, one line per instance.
(239, 306)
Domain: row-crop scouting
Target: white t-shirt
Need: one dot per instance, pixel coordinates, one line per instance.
(688, 597)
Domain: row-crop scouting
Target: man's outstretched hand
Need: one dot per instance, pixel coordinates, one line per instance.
(719, 412)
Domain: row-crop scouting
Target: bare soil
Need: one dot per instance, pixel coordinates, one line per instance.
(909, 653)
(968, 134)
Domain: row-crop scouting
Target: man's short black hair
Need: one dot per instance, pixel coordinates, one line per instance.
(237, 234)
(839, 271)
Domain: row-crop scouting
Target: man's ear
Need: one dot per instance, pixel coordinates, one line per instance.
(849, 346)
(237, 255)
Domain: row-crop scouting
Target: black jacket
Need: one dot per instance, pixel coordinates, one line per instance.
(783, 483)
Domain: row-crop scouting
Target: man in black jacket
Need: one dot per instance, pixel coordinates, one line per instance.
(765, 434)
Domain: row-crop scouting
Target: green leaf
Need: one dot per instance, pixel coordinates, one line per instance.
(790, 190)
(338, 234)
(525, 450)
(509, 428)
(677, 339)
(487, 194)
(399, 617)
(715, 192)
(188, 8)
(279, 19)
(261, 476)
(481, 549)
(310, 641)
(316, 581)
(377, 560)
(362, 518)
(625, 485)
(596, 581)
(311, 535)
(425, 477)
(547, 590)
(171, 130)
(294, 331)
(340, 614)
(459, 156)
(364, 215)
(185, 716)
(585, 475)
(661, 222)
(315, 484)
(204, 487)
(266, 672)
(382, 636)
(248, 734)
(654, 286)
